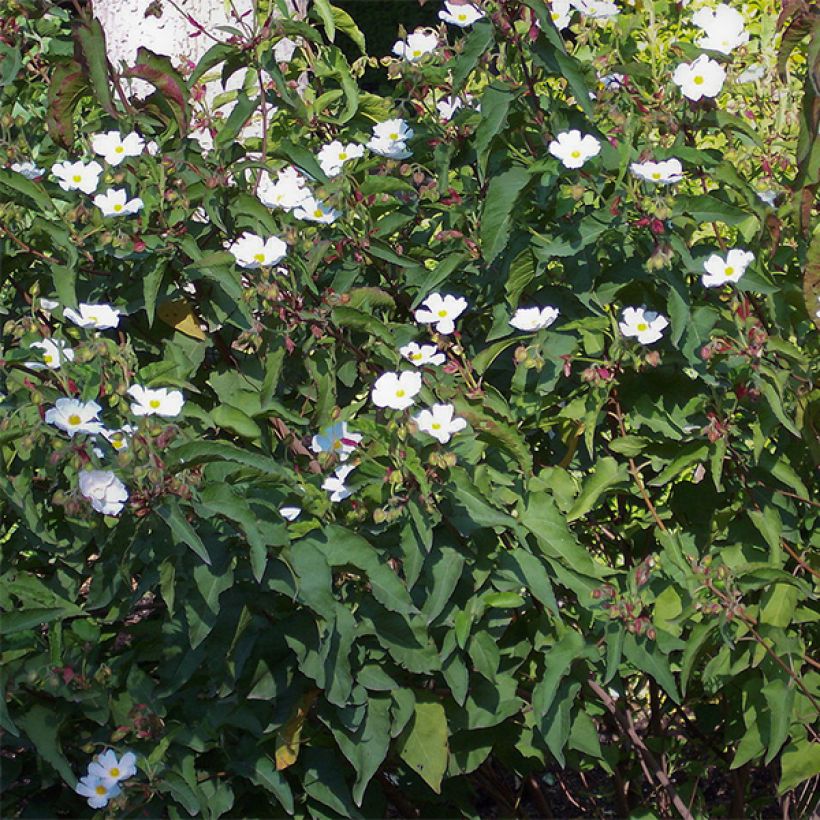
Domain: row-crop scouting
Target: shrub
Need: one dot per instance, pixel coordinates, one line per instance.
(463, 467)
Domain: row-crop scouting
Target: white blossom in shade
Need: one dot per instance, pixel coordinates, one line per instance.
(720, 271)
(752, 74)
(646, 326)
(284, 49)
(336, 439)
(389, 148)
(115, 202)
(335, 483)
(287, 193)
(99, 317)
(97, 792)
(561, 13)
(49, 304)
(77, 176)
(448, 106)
(534, 318)
(252, 251)
(110, 768)
(118, 439)
(27, 169)
(290, 513)
(158, 401)
(421, 355)
(416, 45)
(313, 210)
(396, 390)
(107, 495)
(461, 15)
(769, 197)
(666, 172)
(54, 352)
(441, 311)
(574, 148)
(440, 422)
(335, 154)
(702, 78)
(114, 149)
(75, 416)
(613, 82)
(596, 9)
(724, 28)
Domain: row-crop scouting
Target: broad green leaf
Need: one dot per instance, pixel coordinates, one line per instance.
(423, 746)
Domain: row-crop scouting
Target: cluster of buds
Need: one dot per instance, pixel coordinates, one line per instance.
(643, 572)
(530, 357)
(717, 593)
(625, 609)
(717, 428)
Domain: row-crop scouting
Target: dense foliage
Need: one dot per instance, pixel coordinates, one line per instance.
(464, 467)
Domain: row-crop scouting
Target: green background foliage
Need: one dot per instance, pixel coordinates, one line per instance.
(604, 587)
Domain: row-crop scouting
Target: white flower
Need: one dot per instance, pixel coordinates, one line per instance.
(336, 439)
(335, 484)
(251, 251)
(534, 318)
(441, 311)
(646, 325)
(313, 210)
(284, 49)
(573, 149)
(720, 271)
(286, 193)
(665, 172)
(561, 13)
(769, 197)
(73, 176)
(613, 82)
(49, 304)
(75, 416)
(97, 792)
(421, 355)
(396, 130)
(290, 513)
(596, 9)
(107, 495)
(28, 169)
(702, 78)
(118, 439)
(396, 390)
(752, 74)
(114, 149)
(335, 154)
(724, 28)
(390, 139)
(100, 317)
(388, 148)
(439, 422)
(111, 769)
(448, 106)
(54, 351)
(159, 401)
(115, 202)
(416, 45)
(461, 15)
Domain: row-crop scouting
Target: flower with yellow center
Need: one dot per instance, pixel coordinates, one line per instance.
(440, 422)
(115, 149)
(54, 353)
(158, 401)
(421, 355)
(77, 176)
(252, 251)
(720, 271)
(336, 438)
(74, 416)
(460, 14)
(396, 390)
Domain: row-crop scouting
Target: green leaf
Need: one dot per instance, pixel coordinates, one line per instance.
(607, 473)
(66, 88)
(34, 191)
(708, 208)
(647, 656)
(173, 516)
(90, 53)
(557, 663)
(325, 14)
(171, 95)
(475, 45)
(345, 23)
(42, 726)
(778, 605)
(779, 698)
(423, 745)
(201, 452)
(800, 761)
(495, 107)
(496, 217)
(234, 420)
(443, 571)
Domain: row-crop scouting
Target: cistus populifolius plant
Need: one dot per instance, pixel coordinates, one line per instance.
(428, 432)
